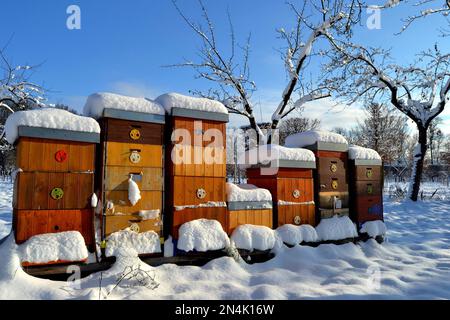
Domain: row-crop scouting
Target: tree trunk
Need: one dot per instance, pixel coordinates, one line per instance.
(418, 161)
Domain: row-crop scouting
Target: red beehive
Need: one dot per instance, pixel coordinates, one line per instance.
(366, 185)
(288, 174)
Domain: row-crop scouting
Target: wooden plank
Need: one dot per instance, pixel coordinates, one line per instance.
(150, 200)
(188, 186)
(119, 131)
(148, 179)
(120, 222)
(287, 214)
(35, 154)
(118, 154)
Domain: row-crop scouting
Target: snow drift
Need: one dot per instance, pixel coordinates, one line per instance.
(202, 235)
(250, 237)
(374, 228)
(52, 247)
(336, 228)
(293, 235)
(145, 242)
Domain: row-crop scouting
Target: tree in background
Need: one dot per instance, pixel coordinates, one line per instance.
(229, 70)
(295, 125)
(384, 131)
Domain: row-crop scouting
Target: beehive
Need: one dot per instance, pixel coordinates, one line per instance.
(55, 182)
(287, 174)
(248, 204)
(131, 148)
(195, 160)
(366, 185)
(331, 190)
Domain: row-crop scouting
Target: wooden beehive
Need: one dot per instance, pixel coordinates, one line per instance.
(292, 193)
(53, 189)
(195, 167)
(255, 212)
(366, 190)
(131, 146)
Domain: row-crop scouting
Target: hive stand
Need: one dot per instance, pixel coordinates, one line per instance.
(131, 145)
(292, 189)
(194, 179)
(366, 190)
(52, 192)
(331, 190)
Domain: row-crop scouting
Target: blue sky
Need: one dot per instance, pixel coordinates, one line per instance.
(123, 45)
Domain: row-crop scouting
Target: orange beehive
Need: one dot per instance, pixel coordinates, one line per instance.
(53, 188)
(290, 181)
(195, 160)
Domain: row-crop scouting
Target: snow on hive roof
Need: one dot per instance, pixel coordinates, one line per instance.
(202, 235)
(264, 154)
(50, 247)
(307, 138)
(247, 192)
(50, 118)
(361, 153)
(176, 100)
(97, 102)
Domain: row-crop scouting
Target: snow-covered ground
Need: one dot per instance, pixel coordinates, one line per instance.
(6, 188)
(414, 263)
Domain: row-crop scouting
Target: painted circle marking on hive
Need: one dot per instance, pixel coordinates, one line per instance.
(201, 193)
(60, 156)
(57, 193)
(135, 157)
(135, 134)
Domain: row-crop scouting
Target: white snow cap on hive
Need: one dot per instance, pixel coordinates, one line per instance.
(50, 118)
(145, 242)
(264, 154)
(176, 100)
(336, 228)
(361, 153)
(293, 235)
(64, 246)
(250, 237)
(374, 228)
(247, 192)
(97, 102)
(202, 235)
(307, 138)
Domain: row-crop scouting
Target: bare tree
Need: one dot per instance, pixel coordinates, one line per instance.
(17, 91)
(420, 91)
(382, 130)
(295, 125)
(232, 77)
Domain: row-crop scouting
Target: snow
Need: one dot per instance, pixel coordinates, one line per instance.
(246, 192)
(97, 102)
(51, 118)
(264, 154)
(134, 194)
(94, 201)
(142, 243)
(168, 247)
(202, 235)
(374, 228)
(293, 235)
(176, 100)
(149, 214)
(250, 237)
(413, 263)
(311, 137)
(48, 247)
(336, 228)
(361, 153)
(209, 204)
